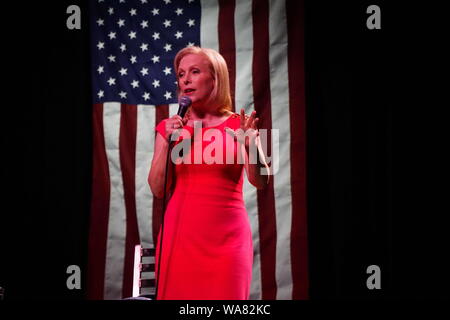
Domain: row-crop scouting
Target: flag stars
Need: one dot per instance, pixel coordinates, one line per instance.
(133, 12)
(146, 96)
(133, 59)
(167, 70)
(179, 11)
(155, 35)
(190, 44)
(167, 23)
(100, 69)
(167, 1)
(144, 47)
(144, 71)
(144, 24)
(112, 58)
(112, 35)
(100, 45)
(111, 11)
(155, 83)
(100, 94)
(155, 11)
(123, 71)
(121, 23)
(143, 1)
(123, 47)
(179, 35)
(135, 84)
(168, 95)
(191, 22)
(101, 22)
(111, 81)
(168, 47)
(132, 35)
(123, 94)
(155, 59)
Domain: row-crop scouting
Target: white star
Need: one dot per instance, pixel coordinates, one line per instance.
(121, 1)
(168, 95)
(191, 1)
(167, 1)
(111, 11)
(101, 22)
(144, 71)
(123, 71)
(100, 45)
(100, 69)
(135, 84)
(155, 11)
(123, 95)
(144, 24)
(155, 59)
(143, 1)
(112, 58)
(112, 35)
(146, 96)
(167, 23)
(179, 34)
(167, 70)
(144, 46)
(155, 35)
(133, 59)
(132, 35)
(100, 94)
(133, 12)
(123, 47)
(191, 22)
(111, 81)
(121, 23)
(155, 83)
(168, 47)
(179, 11)
(191, 44)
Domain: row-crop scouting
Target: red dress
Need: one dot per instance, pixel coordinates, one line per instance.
(207, 251)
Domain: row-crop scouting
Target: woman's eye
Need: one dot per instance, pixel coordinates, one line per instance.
(180, 75)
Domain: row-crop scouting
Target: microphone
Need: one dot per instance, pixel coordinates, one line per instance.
(184, 103)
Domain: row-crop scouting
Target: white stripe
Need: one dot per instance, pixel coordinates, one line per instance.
(244, 99)
(279, 87)
(209, 31)
(173, 109)
(115, 250)
(145, 137)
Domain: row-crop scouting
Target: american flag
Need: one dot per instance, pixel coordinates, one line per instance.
(133, 45)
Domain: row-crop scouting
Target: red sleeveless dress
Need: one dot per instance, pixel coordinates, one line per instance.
(207, 245)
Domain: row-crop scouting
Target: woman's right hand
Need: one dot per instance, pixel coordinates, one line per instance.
(173, 124)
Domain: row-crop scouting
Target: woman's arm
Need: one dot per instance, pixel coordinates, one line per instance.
(158, 168)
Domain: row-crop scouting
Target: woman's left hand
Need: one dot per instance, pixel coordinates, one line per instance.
(248, 132)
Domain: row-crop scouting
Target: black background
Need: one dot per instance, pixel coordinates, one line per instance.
(354, 77)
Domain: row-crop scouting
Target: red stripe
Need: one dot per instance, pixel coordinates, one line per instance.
(162, 112)
(127, 151)
(296, 71)
(98, 235)
(227, 42)
(262, 100)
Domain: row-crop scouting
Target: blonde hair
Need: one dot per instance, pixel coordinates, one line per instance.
(220, 95)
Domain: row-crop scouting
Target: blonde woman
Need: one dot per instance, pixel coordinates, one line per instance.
(207, 242)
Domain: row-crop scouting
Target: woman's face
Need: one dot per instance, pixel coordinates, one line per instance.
(194, 79)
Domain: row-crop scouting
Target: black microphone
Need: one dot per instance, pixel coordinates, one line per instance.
(184, 104)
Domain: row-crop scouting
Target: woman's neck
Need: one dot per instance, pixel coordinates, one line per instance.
(208, 118)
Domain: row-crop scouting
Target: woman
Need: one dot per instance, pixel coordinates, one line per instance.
(207, 244)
